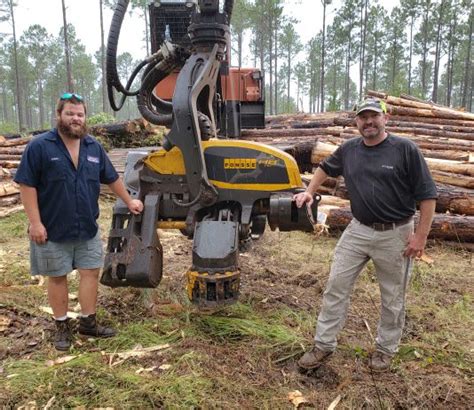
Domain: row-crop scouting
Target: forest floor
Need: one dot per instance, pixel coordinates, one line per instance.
(169, 354)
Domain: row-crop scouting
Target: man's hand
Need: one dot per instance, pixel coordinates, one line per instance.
(135, 206)
(303, 198)
(416, 244)
(37, 233)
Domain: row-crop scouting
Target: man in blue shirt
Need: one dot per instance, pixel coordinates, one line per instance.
(386, 176)
(60, 175)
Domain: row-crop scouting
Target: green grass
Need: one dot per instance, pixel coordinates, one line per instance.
(89, 381)
(13, 226)
(240, 356)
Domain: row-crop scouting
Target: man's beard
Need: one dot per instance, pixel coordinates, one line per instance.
(371, 134)
(72, 133)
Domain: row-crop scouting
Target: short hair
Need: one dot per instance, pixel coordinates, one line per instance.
(73, 100)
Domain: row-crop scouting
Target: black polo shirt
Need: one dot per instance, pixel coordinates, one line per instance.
(384, 181)
(67, 197)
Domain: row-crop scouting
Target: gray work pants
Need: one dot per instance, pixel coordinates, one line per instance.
(357, 245)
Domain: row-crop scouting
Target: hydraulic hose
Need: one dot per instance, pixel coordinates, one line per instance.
(113, 79)
(145, 97)
(163, 106)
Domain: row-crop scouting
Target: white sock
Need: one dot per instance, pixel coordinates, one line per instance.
(61, 319)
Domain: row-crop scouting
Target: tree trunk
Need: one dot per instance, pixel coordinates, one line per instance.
(453, 179)
(70, 83)
(450, 62)
(424, 55)
(8, 188)
(42, 117)
(323, 55)
(410, 60)
(9, 201)
(374, 67)
(454, 200)
(288, 83)
(444, 227)
(433, 112)
(468, 64)
(363, 21)
(10, 157)
(147, 36)
(431, 120)
(9, 164)
(11, 151)
(17, 73)
(276, 67)
(6, 116)
(14, 142)
(347, 74)
(270, 58)
(437, 53)
(239, 49)
(102, 58)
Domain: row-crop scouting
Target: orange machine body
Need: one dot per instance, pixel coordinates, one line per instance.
(242, 84)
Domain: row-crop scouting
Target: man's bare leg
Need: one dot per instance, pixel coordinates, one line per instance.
(88, 284)
(58, 295)
(58, 300)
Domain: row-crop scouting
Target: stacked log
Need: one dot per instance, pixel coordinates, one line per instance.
(445, 137)
(127, 133)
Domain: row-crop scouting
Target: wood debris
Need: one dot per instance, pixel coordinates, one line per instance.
(297, 399)
(60, 360)
(137, 351)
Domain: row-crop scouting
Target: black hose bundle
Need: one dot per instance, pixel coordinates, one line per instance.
(113, 79)
(146, 99)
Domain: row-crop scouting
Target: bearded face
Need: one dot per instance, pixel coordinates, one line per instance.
(71, 122)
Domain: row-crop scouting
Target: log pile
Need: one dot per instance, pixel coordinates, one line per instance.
(128, 133)
(444, 135)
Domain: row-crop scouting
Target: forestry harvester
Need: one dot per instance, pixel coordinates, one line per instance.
(218, 190)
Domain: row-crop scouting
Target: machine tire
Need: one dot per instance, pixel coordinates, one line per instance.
(257, 228)
(245, 245)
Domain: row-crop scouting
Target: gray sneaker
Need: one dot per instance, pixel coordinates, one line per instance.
(313, 359)
(380, 362)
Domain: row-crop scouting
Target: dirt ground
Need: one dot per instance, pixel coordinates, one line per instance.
(283, 277)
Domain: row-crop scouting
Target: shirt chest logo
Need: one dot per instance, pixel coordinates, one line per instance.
(387, 166)
(54, 159)
(95, 160)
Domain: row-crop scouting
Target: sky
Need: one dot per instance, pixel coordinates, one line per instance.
(84, 15)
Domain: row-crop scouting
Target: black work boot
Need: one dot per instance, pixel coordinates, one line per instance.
(63, 336)
(88, 326)
(313, 359)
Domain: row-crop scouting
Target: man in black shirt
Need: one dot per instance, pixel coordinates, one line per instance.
(385, 176)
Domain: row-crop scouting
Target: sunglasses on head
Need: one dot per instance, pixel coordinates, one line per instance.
(68, 96)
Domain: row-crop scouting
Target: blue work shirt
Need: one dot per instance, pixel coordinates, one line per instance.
(67, 197)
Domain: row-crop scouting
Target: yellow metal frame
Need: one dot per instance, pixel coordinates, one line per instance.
(172, 163)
